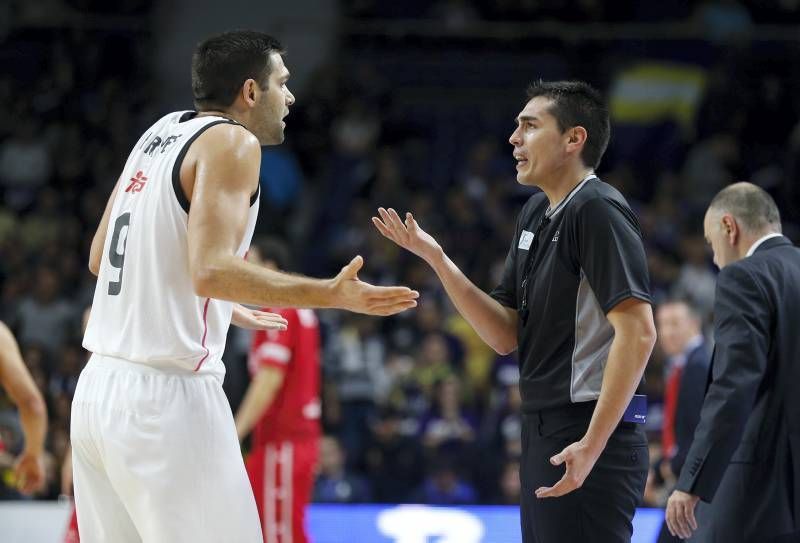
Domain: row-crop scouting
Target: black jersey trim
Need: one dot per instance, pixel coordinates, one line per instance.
(188, 116)
(176, 169)
(624, 295)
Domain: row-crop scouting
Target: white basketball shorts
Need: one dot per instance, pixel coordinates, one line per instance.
(156, 458)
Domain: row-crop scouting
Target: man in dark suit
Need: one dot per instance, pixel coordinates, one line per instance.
(680, 338)
(744, 461)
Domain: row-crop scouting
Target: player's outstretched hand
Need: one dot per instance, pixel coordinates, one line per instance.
(29, 472)
(355, 295)
(252, 319)
(407, 235)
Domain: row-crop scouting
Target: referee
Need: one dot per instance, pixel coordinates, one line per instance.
(574, 299)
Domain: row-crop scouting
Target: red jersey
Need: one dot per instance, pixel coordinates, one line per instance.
(295, 410)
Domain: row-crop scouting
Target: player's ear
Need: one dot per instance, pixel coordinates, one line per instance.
(249, 92)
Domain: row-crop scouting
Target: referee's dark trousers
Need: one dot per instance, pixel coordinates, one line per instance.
(602, 509)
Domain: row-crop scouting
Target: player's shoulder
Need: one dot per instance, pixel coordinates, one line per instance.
(230, 137)
(6, 337)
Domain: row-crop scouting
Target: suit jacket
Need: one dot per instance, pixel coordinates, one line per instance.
(745, 456)
(691, 393)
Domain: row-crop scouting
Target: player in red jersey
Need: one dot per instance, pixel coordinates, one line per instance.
(282, 409)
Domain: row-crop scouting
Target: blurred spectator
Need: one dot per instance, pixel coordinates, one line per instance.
(46, 317)
(688, 360)
(25, 164)
(394, 461)
(509, 484)
(687, 366)
(448, 426)
(696, 282)
(334, 483)
(444, 486)
(502, 424)
(354, 362)
(432, 363)
(709, 166)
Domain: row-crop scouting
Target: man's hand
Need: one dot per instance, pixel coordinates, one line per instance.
(252, 319)
(355, 295)
(407, 235)
(29, 472)
(580, 459)
(680, 514)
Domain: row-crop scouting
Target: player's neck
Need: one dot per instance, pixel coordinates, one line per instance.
(220, 113)
(564, 182)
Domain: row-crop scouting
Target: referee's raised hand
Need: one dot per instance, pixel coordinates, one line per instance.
(407, 234)
(579, 459)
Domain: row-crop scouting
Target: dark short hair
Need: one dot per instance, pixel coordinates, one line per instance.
(222, 63)
(270, 248)
(751, 205)
(576, 103)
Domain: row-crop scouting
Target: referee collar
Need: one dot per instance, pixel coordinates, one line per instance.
(550, 213)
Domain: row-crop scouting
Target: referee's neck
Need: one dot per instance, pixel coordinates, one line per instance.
(559, 185)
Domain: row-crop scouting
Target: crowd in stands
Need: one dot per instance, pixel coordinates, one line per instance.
(415, 407)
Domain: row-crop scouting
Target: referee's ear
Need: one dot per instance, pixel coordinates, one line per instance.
(576, 138)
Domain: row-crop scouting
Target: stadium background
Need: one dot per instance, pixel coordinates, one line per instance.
(404, 104)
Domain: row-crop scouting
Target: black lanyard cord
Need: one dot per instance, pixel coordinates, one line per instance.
(529, 259)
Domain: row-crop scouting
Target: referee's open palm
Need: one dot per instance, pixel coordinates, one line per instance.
(407, 234)
(579, 460)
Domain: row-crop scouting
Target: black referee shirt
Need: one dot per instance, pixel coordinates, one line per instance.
(586, 256)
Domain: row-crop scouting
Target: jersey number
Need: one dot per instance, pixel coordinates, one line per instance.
(116, 257)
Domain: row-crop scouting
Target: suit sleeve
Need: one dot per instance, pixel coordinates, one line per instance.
(741, 328)
(274, 348)
(690, 402)
(611, 252)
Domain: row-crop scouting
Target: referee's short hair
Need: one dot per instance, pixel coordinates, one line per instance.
(751, 206)
(576, 103)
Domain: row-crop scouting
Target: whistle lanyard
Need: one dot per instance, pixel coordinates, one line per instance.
(524, 310)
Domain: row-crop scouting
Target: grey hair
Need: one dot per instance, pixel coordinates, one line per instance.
(752, 207)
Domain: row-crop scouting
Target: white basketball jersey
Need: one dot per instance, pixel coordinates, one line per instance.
(145, 309)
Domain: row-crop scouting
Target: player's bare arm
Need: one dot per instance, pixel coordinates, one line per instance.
(219, 176)
(634, 338)
(494, 323)
(99, 239)
(18, 383)
(260, 393)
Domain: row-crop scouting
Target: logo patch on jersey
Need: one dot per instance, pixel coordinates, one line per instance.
(555, 238)
(525, 240)
(137, 182)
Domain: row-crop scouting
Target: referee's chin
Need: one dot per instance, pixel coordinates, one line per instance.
(525, 180)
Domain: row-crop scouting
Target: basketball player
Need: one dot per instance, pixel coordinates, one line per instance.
(154, 446)
(282, 408)
(18, 384)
